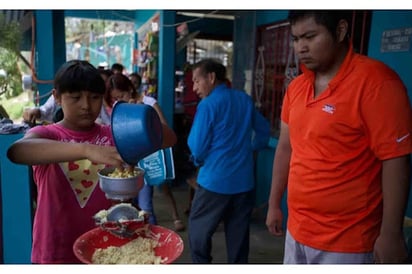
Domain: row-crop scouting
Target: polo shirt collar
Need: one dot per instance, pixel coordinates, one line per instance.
(219, 87)
(344, 70)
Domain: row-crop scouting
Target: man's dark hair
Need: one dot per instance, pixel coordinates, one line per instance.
(327, 18)
(210, 65)
(78, 75)
(117, 66)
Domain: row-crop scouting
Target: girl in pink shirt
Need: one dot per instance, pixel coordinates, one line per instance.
(66, 157)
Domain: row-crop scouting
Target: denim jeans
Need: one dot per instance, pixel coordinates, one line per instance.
(145, 202)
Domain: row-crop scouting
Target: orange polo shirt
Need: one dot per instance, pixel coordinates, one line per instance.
(338, 142)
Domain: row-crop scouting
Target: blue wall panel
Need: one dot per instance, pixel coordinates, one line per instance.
(264, 17)
(166, 80)
(401, 62)
(16, 206)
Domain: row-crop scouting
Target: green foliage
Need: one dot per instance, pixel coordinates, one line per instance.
(10, 41)
(10, 34)
(81, 28)
(16, 105)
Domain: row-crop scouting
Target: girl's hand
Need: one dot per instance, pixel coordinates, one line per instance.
(135, 101)
(132, 101)
(104, 154)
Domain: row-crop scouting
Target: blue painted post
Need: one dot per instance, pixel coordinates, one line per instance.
(167, 52)
(50, 48)
(44, 47)
(141, 17)
(135, 47)
(16, 206)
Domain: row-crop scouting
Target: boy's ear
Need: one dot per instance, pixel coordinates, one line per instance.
(342, 30)
(57, 97)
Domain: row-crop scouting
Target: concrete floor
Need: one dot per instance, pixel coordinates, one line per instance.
(264, 248)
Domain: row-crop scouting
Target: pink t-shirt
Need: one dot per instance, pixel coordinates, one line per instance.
(68, 196)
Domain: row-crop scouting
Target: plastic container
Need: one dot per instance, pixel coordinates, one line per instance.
(137, 131)
(170, 245)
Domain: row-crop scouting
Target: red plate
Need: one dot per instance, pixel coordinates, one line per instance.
(170, 245)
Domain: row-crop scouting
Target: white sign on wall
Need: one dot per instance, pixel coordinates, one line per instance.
(396, 40)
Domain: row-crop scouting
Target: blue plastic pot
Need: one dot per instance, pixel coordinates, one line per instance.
(137, 131)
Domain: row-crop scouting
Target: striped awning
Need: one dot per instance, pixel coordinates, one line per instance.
(13, 15)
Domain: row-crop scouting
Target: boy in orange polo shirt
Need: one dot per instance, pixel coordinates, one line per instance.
(343, 152)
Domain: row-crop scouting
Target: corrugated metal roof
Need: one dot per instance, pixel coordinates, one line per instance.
(23, 17)
(13, 15)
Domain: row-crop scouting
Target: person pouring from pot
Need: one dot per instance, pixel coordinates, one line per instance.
(65, 157)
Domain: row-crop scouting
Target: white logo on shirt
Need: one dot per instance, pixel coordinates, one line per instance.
(402, 138)
(328, 108)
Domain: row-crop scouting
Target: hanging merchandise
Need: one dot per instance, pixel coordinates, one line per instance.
(153, 68)
(148, 70)
(149, 46)
(153, 42)
(259, 77)
(136, 55)
(292, 68)
(151, 91)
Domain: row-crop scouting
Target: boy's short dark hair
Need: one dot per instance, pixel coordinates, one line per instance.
(210, 65)
(327, 18)
(78, 75)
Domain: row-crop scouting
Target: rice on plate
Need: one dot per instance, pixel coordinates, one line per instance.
(138, 251)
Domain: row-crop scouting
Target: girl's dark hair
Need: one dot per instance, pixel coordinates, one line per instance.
(327, 18)
(78, 75)
(210, 65)
(117, 66)
(121, 82)
(106, 72)
(137, 75)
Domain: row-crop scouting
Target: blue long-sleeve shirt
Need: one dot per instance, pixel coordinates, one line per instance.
(226, 130)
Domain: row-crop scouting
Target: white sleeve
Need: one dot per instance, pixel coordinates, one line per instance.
(147, 100)
(47, 109)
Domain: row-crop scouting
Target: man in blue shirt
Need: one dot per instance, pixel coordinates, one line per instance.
(227, 129)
